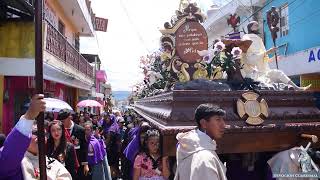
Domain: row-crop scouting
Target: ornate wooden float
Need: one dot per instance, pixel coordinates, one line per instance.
(268, 119)
(290, 114)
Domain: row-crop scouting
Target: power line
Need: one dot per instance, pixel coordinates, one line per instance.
(255, 13)
(293, 10)
(134, 27)
(259, 11)
(219, 9)
(244, 6)
(251, 15)
(302, 19)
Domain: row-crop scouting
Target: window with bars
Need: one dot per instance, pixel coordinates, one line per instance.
(61, 27)
(284, 20)
(76, 41)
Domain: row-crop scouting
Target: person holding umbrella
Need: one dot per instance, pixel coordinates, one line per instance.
(19, 155)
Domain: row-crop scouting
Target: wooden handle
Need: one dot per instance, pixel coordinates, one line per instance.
(314, 138)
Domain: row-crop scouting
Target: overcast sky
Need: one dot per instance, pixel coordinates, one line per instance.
(133, 31)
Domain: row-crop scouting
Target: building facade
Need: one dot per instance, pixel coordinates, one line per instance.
(66, 71)
(216, 25)
(298, 42)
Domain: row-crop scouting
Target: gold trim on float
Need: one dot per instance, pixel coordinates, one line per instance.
(264, 108)
(250, 96)
(174, 28)
(240, 107)
(252, 108)
(254, 120)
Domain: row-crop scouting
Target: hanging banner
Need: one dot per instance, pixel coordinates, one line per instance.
(100, 24)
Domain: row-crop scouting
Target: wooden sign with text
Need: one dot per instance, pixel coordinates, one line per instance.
(100, 24)
(190, 38)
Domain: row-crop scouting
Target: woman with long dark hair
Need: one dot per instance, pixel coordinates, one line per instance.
(150, 164)
(97, 159)
(60, 149)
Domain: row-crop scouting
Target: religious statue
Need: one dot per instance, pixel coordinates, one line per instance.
(273, 19)
(305, 162)
(255, 61)
(234, 20)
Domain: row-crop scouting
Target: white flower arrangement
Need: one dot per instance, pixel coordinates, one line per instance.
(219, 46)
(207, 55)
(236, 52)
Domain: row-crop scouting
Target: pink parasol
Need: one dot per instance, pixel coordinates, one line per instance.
(89, 103)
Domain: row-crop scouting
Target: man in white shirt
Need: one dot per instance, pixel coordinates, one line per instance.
(196, 156)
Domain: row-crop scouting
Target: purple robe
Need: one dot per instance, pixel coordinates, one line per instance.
(133, 132)
(112, 127)
(103, 145)
(96, 152)
(12, 154)
(133, 147)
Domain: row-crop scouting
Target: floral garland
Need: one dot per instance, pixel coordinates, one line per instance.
(220, 60)
(219, 63)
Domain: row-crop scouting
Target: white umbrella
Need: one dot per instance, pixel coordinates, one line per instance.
(55, 105)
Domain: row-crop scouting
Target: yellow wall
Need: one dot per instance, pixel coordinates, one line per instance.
(1, 100)
(313, 79)
(17, 39)
(69, 26)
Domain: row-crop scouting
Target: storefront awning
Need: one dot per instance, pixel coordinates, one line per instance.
(26, 67)
(53, 74)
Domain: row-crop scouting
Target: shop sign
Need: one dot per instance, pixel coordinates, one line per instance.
(100, 24)
(314, 55)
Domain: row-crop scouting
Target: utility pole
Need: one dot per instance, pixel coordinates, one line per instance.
(39, 86)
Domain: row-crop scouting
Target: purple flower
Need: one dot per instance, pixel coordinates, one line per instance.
(219, 46)
(236, 52)
(207, 55)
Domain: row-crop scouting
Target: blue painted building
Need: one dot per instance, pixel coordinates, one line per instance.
(298, 39)
(303, 21)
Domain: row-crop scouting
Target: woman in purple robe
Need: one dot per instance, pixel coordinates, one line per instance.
(112, 137)
(133, 148)
(96, 155)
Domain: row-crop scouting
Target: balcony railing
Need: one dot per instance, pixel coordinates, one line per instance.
(57, 45)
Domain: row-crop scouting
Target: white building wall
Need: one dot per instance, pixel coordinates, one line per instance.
(302, 62)
(216, 24)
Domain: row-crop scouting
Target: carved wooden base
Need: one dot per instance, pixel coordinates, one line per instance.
(291, 113)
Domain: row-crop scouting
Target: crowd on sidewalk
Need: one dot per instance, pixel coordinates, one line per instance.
(83, 146)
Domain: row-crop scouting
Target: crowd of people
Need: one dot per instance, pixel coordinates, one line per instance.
(114, 146)
(84, 146)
